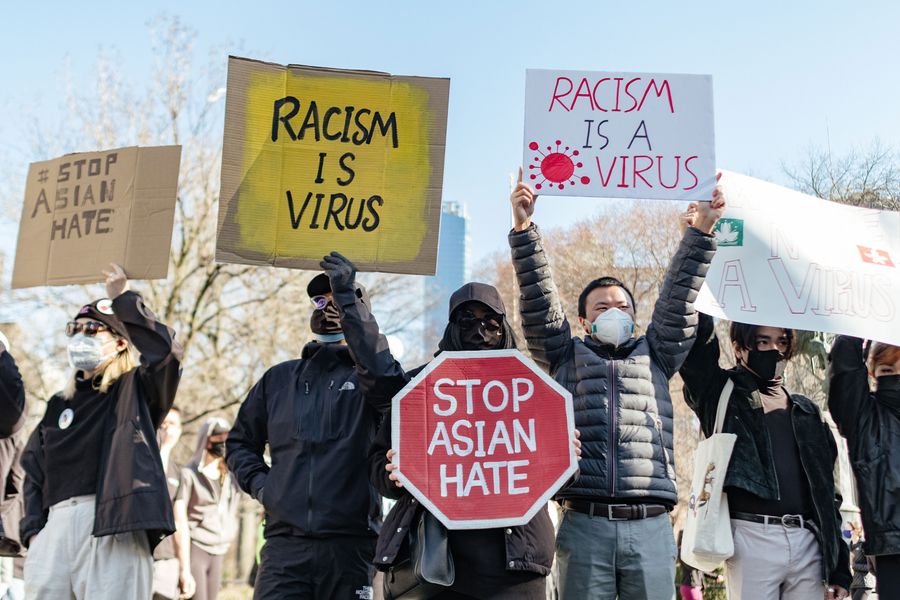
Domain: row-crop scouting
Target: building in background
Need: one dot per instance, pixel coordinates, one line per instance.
(451, 273)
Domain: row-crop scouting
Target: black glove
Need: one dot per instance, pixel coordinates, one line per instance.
(341, 272)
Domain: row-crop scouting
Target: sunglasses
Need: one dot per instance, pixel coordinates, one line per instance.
(89, 328)
(319, 302)
(490, 323)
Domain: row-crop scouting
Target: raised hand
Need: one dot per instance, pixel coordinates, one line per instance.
(116, 281)
(522, 200)
(708, 213)
(687, 218)
(341, 272)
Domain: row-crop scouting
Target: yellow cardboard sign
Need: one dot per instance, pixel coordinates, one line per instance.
(317, 159)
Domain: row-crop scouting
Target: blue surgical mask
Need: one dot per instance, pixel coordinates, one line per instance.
(86, 353)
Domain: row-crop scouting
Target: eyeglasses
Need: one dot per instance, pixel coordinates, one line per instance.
(490, 323)
(319, 302)
(89, 328)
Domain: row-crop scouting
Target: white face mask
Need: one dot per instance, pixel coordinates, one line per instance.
(613, 326)
(86, 353)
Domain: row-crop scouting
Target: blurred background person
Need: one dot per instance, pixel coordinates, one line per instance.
(206, 507)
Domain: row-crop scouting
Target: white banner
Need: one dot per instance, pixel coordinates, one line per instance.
(790, 260)
(619, 135)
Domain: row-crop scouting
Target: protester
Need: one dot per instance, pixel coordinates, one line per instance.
(96, 501)
(321, 514)
(871, 423)
(615, 537)
(165, 560)
(206, 509)
(489, 563)
(12, 442)
(780, 484)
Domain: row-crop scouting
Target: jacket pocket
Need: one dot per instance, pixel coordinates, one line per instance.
(342, 409)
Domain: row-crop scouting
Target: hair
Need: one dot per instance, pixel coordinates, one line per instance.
(744, 335)
(882, 353)
(126, 360)
(601, 283)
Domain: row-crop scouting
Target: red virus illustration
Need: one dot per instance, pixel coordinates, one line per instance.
(556, 167)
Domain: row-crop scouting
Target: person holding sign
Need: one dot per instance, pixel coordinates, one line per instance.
(96, 500)
(871, 423)
(615, 536)
(322, 515)
(501, 563)
(780, 484)
(12, 441)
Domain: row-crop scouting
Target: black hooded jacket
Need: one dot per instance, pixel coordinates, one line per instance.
(872, 428)
(527, 551)
(312, 414)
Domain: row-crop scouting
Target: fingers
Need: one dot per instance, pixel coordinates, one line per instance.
(390, 453)
(520, 174)
(718, 176)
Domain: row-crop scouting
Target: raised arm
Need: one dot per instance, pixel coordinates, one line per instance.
(247, 440)
(547, 331)
(380, 375)
(848, 389)
(674, 322)
(160, 368)
(12, 393)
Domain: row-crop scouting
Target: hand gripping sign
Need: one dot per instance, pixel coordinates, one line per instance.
(483, 439)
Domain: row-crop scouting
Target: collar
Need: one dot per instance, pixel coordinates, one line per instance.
(327, 352)
(609, 352)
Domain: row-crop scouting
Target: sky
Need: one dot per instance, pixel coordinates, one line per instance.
(787, 76)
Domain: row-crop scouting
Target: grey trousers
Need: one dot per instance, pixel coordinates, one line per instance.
(601, 559)
(774, 562)
(66, 562)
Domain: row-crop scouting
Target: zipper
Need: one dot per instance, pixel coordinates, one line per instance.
(312, 464)
(612, 442)
(662, 444)
(815, 506)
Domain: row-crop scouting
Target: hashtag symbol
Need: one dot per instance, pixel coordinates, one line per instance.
(42, 175)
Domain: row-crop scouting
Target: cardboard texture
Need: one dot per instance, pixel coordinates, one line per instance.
(619, 135)
(85, 210)
(318, 159)
(483, 439)
(786, 259)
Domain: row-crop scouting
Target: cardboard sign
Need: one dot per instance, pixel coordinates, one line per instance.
(83, 211)
(619, 135)
(790, 260)
(317, 159)
(483, 439)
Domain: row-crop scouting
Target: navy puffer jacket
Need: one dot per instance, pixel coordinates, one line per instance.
(621, 396)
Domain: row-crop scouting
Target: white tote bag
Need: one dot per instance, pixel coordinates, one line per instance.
(707, 542)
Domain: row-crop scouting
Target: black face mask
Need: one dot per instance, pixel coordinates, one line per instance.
(326, 321)
(217, 449)
(480, 334)
(768, 365)
(888, 392)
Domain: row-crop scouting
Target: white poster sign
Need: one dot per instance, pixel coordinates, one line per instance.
(619, 135)
(790, 260)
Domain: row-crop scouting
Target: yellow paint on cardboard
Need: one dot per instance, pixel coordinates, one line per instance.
(400, 176)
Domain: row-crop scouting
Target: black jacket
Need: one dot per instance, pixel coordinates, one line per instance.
(529, 548)
(12, 442)
(872, 429)
(132, 493)
(621, 397)
(313, 416)
(752, 465)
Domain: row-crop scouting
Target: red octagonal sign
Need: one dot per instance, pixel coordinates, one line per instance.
(483, 439)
